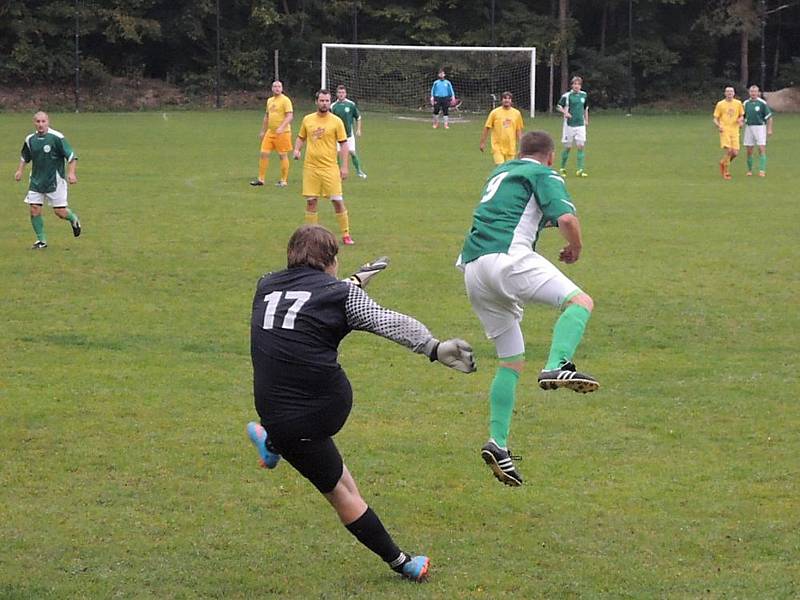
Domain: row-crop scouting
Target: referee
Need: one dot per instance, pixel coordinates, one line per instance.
(302, 394)
(441, 95)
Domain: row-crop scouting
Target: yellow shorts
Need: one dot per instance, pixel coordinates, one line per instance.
(280, 142)
(500, 157)
(322, 182)
(729, 139)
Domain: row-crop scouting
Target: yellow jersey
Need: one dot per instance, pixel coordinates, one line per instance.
(321, 134)
(504, 123)
(277, 109)
(728, 113)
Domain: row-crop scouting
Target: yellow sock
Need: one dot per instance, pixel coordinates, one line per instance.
(312, 218)
(263, 163)
(285, 169)
(344, 222)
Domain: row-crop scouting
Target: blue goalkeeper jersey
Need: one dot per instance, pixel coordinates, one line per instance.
(442, 88)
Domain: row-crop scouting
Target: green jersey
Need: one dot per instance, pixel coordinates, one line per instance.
(521, 197)
(756, 112)
(48, 153)
(347, 111)
(575, 103)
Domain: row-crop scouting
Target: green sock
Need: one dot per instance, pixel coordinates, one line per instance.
(71, 217)
(356, 162)
(581, 158)
(762, 163)
(564, 157)
(749, 162)
(502, 396)
(567, 334)
(38, 227)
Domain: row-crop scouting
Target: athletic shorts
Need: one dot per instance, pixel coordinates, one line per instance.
(280, 142)
(325, 182)
(351, 144)
(499, 285)
(500, 157)
(729, 139)
(755, 135)
(443, 104)
(56, 199)
(573, 134)
(307, 443)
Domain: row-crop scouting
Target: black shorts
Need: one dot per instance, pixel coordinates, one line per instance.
(307, 443)
(443, 104)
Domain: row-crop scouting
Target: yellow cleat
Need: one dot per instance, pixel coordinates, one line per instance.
(562, 172)
(581, 173)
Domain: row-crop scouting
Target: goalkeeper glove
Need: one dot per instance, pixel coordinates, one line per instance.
(454, 353)
(368, 271)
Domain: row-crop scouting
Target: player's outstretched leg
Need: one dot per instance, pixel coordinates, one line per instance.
(501, 462)
(567, 376)
(258, 435)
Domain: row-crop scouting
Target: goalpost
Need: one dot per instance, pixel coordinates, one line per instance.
(400, 77)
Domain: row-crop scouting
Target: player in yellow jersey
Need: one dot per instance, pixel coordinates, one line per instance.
(276, 134)
(728, 117)
(506, 125)
(322, 176)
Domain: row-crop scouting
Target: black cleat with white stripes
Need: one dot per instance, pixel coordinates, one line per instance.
(566, 376)
(501, 463)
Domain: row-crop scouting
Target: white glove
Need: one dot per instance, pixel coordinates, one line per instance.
(456, 354)
(368, 271)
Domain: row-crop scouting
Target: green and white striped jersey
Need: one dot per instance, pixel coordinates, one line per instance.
(520, 198)
(756, 112)
(575, 103)
(347, 111)
(48, 153)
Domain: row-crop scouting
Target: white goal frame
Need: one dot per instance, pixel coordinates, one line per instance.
(528, 49)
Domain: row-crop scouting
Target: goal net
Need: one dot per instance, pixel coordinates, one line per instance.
(399, 78)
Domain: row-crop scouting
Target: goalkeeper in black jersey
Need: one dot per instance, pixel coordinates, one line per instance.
(302, 394)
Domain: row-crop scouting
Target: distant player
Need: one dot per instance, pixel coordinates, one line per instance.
(574, 105)
(503, 273)
(321, 174)
(442, 95)
(47, 149)
(728, 117)
(506, 125)
(276, 134)
(757, 126)
(348, 112)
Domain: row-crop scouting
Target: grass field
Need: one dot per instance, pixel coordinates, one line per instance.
(125, 378)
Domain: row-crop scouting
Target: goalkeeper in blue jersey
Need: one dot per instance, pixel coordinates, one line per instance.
(502, 273)
(442, 94)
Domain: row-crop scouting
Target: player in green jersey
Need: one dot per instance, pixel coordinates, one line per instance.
(575, 108)
(757, 127)
(47, 149)
(502, 273)
(348, 112)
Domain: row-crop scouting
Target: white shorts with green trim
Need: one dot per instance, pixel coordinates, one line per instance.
(56, 199)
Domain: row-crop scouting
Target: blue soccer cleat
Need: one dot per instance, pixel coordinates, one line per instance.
(258, 435)
(416, 569)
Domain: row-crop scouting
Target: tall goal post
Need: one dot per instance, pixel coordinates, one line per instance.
(396, 76)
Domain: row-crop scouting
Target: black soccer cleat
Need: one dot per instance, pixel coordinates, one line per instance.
(76, 227)
(501, 462)
(567, 377)
(39, 245)
(256, 182)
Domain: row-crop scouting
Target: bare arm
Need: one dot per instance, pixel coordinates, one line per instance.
(285, 123)
(586, 116)
(570, 228)
(344, 158)
(484, 135)
(264, 125)
(20, 170)
(298, 146)
(71, 176)
(769, 126)
(358, 126)
(563, 110)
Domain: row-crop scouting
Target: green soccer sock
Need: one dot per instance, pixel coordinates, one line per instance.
(502, 396)
(38, 227)
(749, 162)
(581, 158)
(567, 334)
(564, 157)
(71, 216)
(356, 162)
(762, 163)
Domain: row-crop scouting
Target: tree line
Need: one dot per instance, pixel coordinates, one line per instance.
(629, 50)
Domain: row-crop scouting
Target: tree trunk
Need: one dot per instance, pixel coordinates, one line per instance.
(563, 12)
(603, 27)
(744, 69)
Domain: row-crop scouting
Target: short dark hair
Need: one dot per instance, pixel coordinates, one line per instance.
(311, 246)
(536, 142)
(507, 95)
(340, 87)
(322, 92)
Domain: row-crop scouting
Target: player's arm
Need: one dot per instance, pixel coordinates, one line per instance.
(586, 116)
(20, 169)
(298, 146)
(570, 228)
(768, 118)
(344, 157)
(264, 125)
(72, 161)
(562, 108)
(717, 115)
(358, 126)
(24, 157)
(285, 123)
(484, 136)
(364, 314)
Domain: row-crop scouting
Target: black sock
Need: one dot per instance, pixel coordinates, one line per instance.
(369, 530)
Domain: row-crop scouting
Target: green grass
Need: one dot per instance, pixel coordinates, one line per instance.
(125, 381)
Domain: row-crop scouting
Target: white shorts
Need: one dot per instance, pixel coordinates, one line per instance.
(755, 135)
(351, 144)
(499, 285)
(56, 199)
(573, 134)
